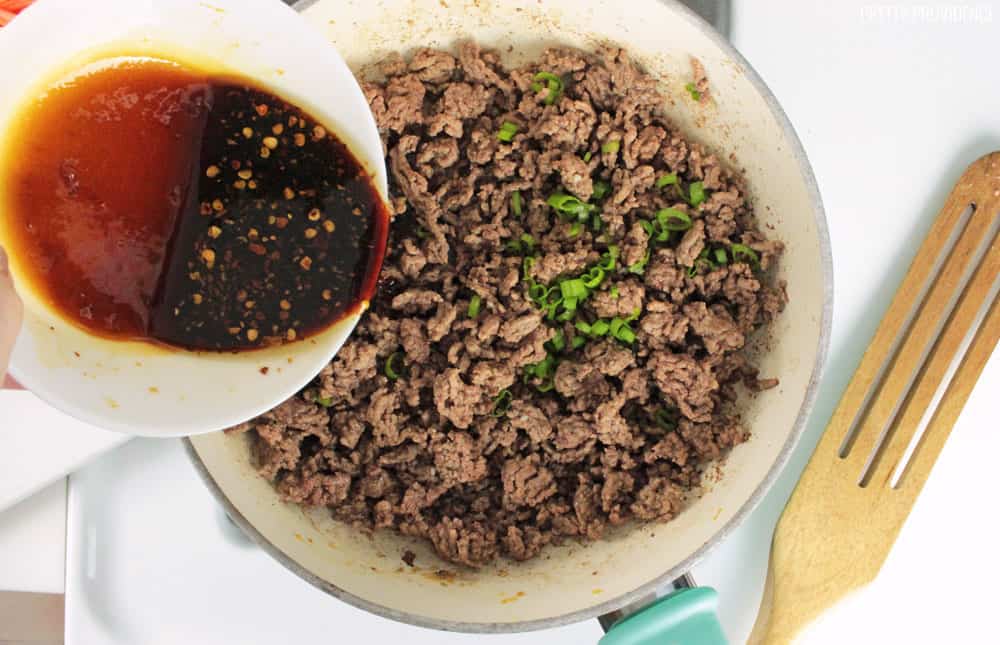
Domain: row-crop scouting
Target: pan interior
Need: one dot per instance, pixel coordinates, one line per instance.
(572, 581)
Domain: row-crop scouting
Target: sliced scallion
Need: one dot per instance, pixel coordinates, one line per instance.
(578, 342)
(611, 146)
(697, 193)
(507, 131)
(554, 84)
(720, 256)
(614, 292)
(574, 289)
(673, 220)
(600, 328)
(640, 267)
(390, 366)
(515, 202)
(666, 180)
(474, 305)
(558, 341)
(326, 401)
(501, 404)
(575, 229)
(601, 189)
(587, 157)
(693, 91)
(743, 253)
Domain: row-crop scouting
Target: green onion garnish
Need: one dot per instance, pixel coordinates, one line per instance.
(474, 305)
(739, 251)
(546, 386)
(558, 341)
(600, 328)
(552, 82)
(620, 330)
(578, 342)
(697, 193)
(693, 91)
(601, 189)
(596, 223)
(666, 419)
(583, 327)
(538, 293)
(608, 259)
(326, 401)
(661, 233)
(574, 289)
(501, 404)
(570, 206)
(720, 256)
(528, 240)
(646, 226)
(640, 267)
(422, 232)
(587, 157)
(594, 278)
(390, 366)
(507, 132)
(611, 146)
(673, 220)
(614, 291)
(666, 180)
(575, 229)
(515, 202)
(527, 264)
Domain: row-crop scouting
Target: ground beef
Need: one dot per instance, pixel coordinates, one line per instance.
(432, 420)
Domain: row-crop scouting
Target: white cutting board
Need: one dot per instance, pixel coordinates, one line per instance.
(39, 444)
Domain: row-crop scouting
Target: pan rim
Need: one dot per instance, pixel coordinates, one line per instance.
(667, 576)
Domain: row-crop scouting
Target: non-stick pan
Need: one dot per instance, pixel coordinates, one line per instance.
(742, 123)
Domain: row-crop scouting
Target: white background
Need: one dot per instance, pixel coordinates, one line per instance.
(891, 101)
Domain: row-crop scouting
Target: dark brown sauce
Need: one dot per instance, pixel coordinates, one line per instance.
(155, 202)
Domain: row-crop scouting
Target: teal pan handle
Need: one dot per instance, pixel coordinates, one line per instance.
(685, 617)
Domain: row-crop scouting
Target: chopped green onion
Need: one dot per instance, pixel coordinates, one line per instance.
(743, 251)
(547, 386)
(390, 366)
(558, 341)
(720, 256)
(587, 157)
(538, 293)
(583, 327)
(620, 330)
(567, 315)
(608, 259)
(666, 419)
(574, 288)
(640, 267)
(673, 220)
(515, 202)
(596, 223)
(552, 82)
(611, 146)
(528, 240)
(570, 205)
(422, 233)
(326, 401)
(647, 226)
(614, 291)
(578, 342)
(693, 91)
(501, 404)
(575, 229)
(634, 315)
(527, 264)
(507, 132)
(551, 309)
(474, 305)
(666, 180)
(600, 328)
(594, 278)
(601, 189)
(697, 190)
(661, 232)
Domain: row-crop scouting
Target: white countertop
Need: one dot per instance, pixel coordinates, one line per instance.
(892, 101)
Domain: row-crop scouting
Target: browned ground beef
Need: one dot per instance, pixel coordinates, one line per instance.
(622, 430)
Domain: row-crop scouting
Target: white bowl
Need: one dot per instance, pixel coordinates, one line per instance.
(136, 387)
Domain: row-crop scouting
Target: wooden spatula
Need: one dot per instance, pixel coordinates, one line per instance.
(911, 385)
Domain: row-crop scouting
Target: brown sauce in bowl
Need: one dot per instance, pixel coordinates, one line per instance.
(151, 201)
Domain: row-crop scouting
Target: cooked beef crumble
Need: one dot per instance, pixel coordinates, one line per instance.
(436, 418)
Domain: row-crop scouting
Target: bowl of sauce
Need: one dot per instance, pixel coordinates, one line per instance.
(193, 202)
